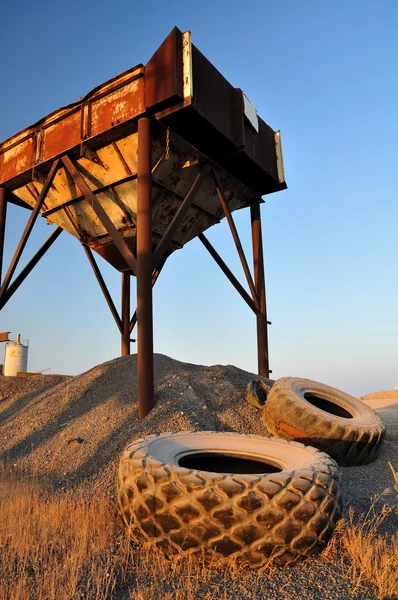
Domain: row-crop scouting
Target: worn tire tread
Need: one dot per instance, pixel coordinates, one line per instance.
(249, 518)
(286, 416)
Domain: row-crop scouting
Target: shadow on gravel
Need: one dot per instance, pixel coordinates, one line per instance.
(27, 400)
(73, 410)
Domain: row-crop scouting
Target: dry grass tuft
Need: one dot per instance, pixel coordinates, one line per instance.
(395, 475)
(53, 546)
(63, 546)
(366, 555)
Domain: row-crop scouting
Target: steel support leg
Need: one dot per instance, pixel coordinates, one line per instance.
(3, 212)
(125, 314)
(144, 269)
(259, 281)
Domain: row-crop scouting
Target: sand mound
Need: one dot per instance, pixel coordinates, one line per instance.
(73, 429)
(391, 394)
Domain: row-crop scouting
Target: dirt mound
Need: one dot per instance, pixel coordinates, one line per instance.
(386, 404)
(390, 394)
(73, 429)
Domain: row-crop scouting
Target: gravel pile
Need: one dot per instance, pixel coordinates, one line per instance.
(72, 430)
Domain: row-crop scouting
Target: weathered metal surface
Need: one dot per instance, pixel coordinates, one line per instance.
(155, 276)
(101, 214)
(112, 180)
(125, 314)
(164, 74)
(3, 214)
(178, 218)
(98, 116)
(259, 280)
(99, 132)
(279, 157)
(145, 269)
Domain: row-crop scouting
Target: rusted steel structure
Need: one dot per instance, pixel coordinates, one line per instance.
(136, 169)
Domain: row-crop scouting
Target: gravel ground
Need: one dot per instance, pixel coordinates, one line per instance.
(72, 430)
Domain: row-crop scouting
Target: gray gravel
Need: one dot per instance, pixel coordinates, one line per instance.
(72, 431)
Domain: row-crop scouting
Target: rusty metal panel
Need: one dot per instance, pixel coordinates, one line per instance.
(164, 73)
(17, 158)
(213, 96)
(117, 107)
(181, 87)
(4, 336)
(187, 67)
(101, 113)
(279, 157)
(260, 147)
(65, 130)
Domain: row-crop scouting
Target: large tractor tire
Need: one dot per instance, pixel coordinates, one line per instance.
(324, 417)
(226, 496)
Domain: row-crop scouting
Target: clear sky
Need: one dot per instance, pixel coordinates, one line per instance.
(325, 74)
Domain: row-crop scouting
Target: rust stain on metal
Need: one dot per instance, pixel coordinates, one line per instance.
(117, 107)
(54, 135)
(17, 159)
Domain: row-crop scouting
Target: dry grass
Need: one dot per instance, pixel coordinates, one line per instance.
(53, 546)
(366, 555)
(59, 546)
(395, 475)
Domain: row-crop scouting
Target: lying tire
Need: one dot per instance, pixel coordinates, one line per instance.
(257, 392)
(324, 417)
(268, 499)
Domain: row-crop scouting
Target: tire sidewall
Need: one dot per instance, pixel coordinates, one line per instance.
(362, 414)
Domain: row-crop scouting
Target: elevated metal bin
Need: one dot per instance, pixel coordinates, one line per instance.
(140, 166)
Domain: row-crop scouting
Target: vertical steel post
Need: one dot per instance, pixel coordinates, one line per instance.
(144, 269)
(259, 281)
(3, 212)
(125, 314)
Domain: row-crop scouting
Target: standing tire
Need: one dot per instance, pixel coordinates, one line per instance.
(324, 417)
(268, 499)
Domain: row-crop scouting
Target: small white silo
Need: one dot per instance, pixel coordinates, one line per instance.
(16, 357)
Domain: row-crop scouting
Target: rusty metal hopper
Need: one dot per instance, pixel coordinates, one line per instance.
(136, 169)
(209, 120)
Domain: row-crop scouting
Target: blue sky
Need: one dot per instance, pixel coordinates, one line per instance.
(324, 73)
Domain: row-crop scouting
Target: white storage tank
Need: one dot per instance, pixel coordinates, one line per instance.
(16, 357)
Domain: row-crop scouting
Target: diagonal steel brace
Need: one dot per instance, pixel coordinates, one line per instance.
(12, 288)
(164, 243)
(235, 235)
(117, 238)
(103, 287)
(28, 229)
